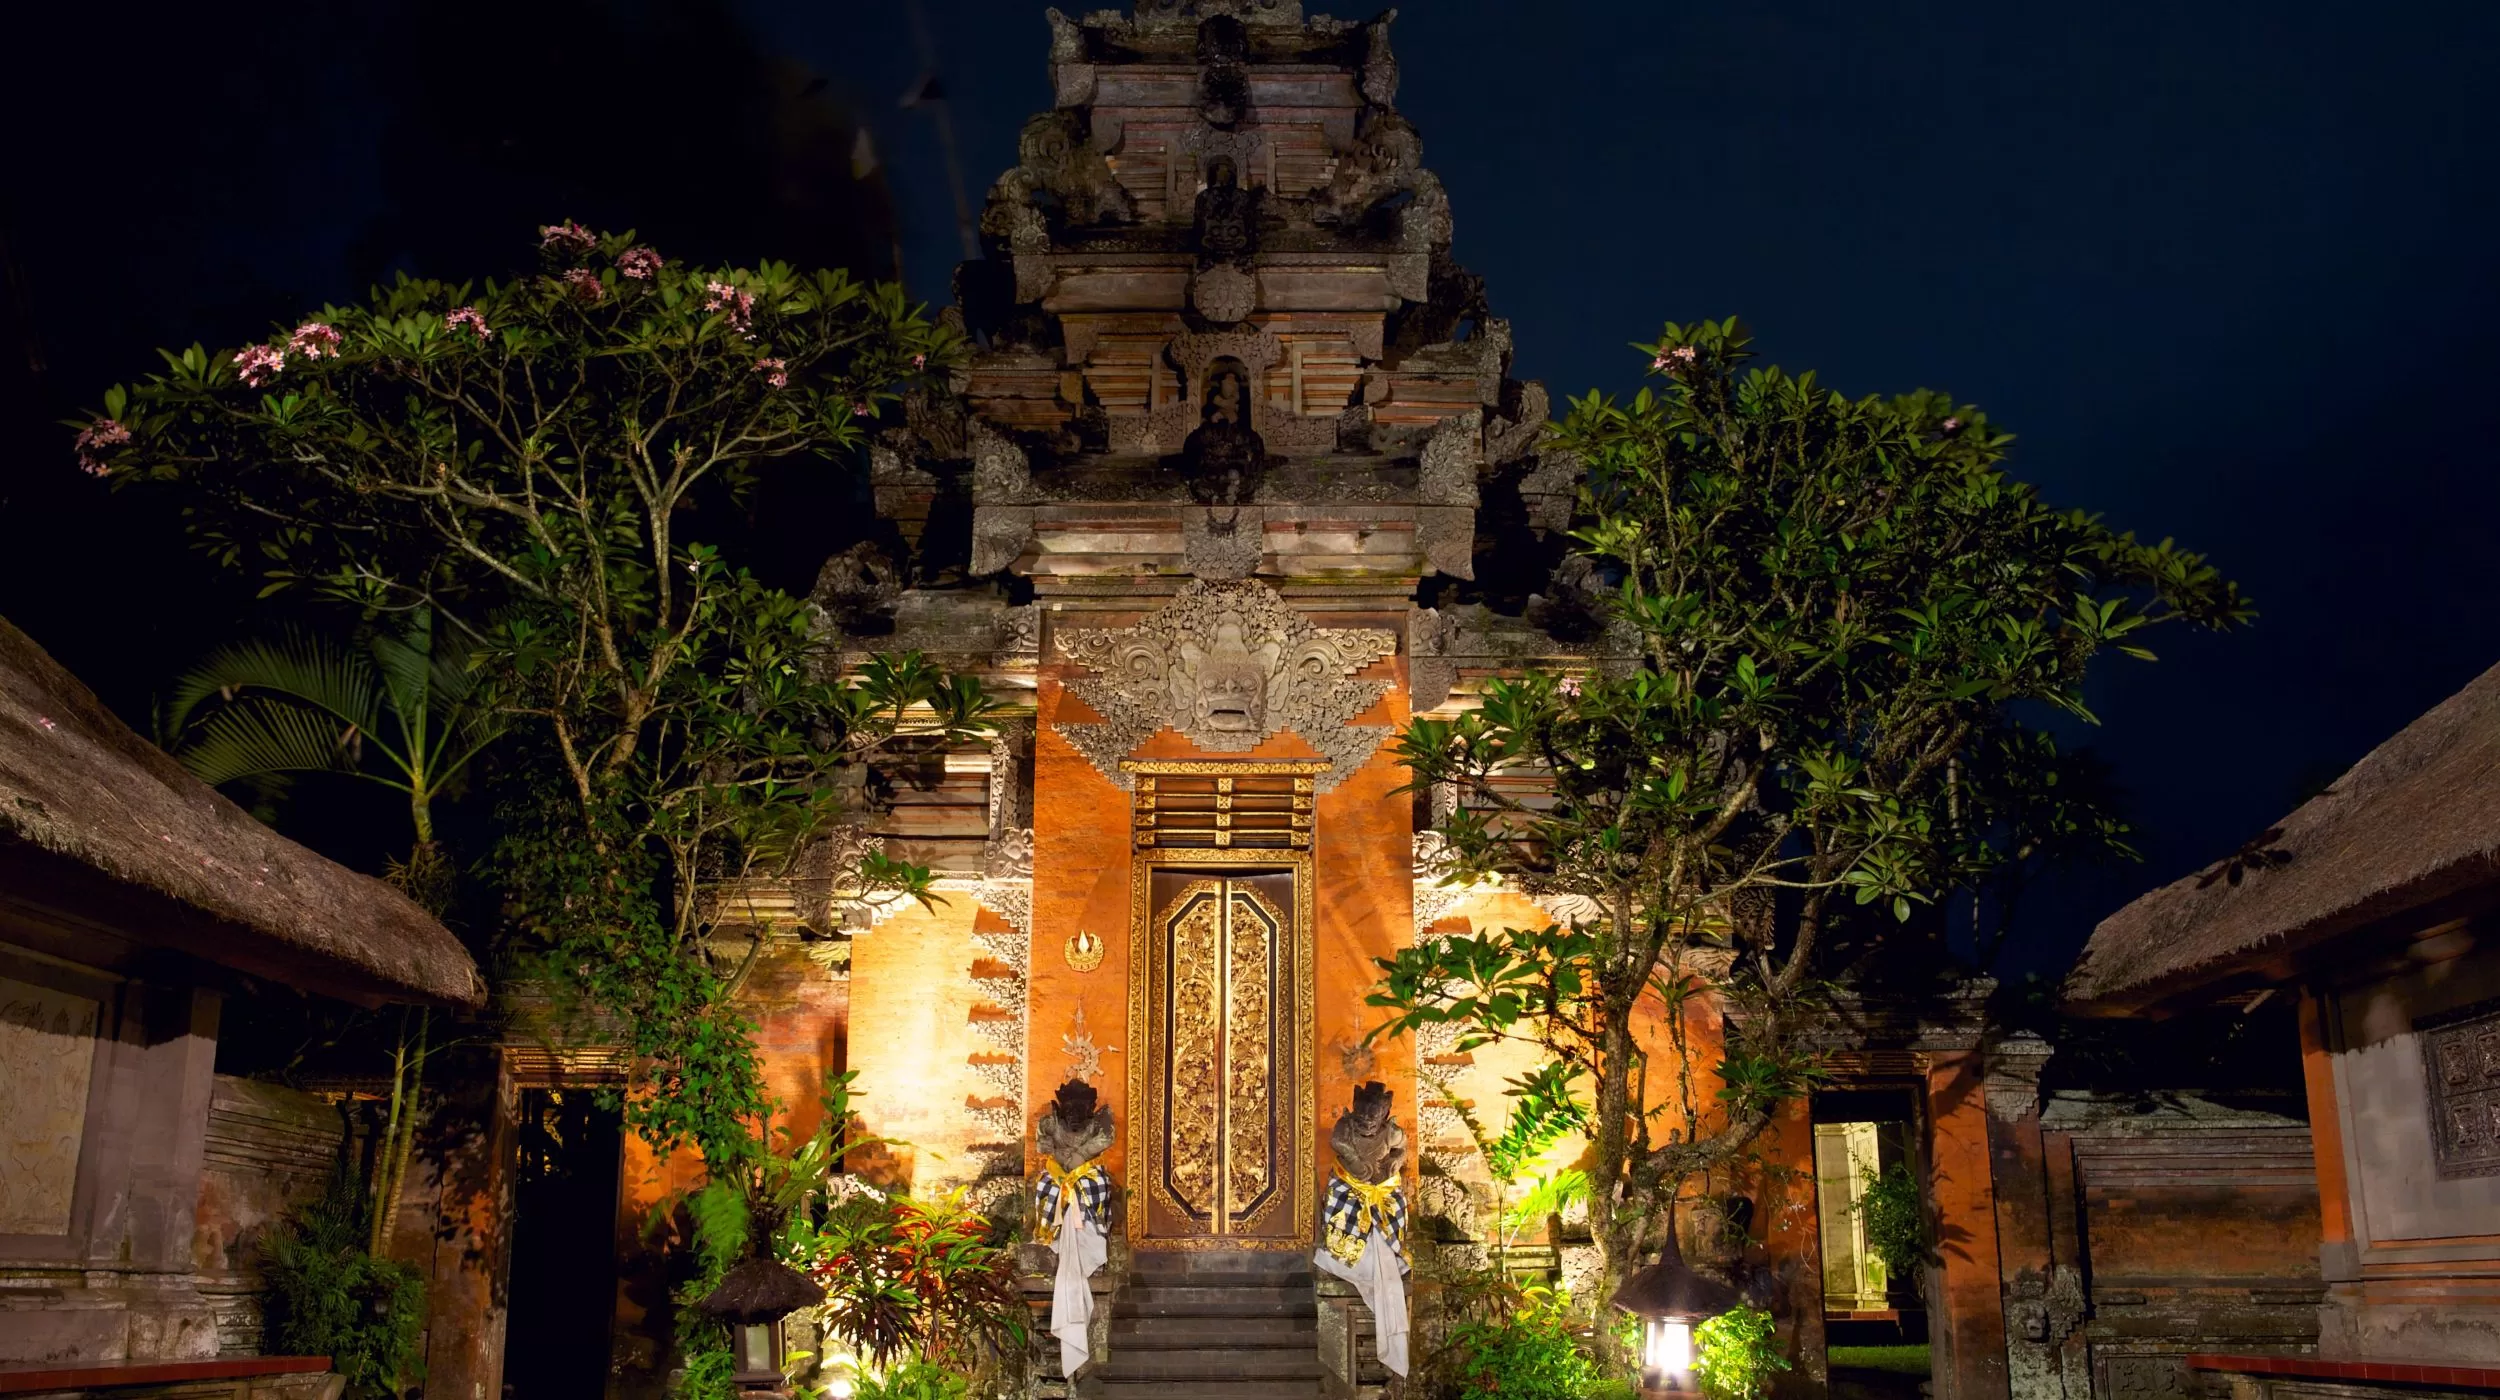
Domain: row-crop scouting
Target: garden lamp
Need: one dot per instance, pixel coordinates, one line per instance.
(1671, 1299)
(753, 1299)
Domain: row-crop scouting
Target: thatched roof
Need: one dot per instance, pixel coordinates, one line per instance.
(79, 789)
(2414, 825)
(761, 1290)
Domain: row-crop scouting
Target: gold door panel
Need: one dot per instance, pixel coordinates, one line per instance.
(1220, 1059)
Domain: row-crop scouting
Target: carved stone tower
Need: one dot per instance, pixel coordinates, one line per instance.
(1234, 405)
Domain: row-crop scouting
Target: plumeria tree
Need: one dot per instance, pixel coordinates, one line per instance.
(523, 461)
(1849, 624)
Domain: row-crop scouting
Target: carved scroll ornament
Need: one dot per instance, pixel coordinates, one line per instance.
(1227, 664)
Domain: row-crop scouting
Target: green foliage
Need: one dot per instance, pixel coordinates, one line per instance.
(914, 1278)
(710, 1372)
(1735, 1355)
(1911, 1360)
(1532, 1351)
(327, 1296)
(304, 703)
(1895, 1220)
(913, 1380)
(519, 462)
(1845, 615)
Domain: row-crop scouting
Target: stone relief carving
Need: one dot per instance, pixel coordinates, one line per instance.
(1448, 473)
(1001, 473)
(1431, 671)
(1221, 545)
(1054, 159)
(1227, 664)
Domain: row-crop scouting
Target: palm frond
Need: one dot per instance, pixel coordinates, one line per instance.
(406, 662)
(260, 735)
(307, 667)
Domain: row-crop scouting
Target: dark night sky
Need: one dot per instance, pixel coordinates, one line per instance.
(2226, 269)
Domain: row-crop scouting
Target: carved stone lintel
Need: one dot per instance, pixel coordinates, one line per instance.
(1430, 671)
(1227, 664)
(1221, 544)
(1551, 491)
(1450, 456)
(1224, 294)
(999, 536)
(1507, 439)
(1447, 536)
(1001, 473)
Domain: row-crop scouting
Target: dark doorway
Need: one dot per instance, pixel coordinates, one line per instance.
(1866, 1151)
(563, 1247)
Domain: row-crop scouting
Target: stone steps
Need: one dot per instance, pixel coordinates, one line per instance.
(1212, 1326)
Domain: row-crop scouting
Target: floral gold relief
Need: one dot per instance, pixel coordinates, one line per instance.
(1220, 1063)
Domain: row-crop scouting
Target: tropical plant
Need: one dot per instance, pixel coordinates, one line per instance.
(524, 461)
(328, 1294)
(398, 713)
(1735, 1355)
(910, 1278)
(1895, 1220)
(1843, 624)
(914, 1380)
(402, 712)
(1532, 1349)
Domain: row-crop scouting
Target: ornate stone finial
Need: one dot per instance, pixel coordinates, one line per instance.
(1226, 664)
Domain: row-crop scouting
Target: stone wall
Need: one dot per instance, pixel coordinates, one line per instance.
(2412, 1170)
(269, 1150)
(2197, 1221)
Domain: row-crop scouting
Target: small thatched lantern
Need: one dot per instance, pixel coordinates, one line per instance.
(753, 1299)
(1670, 1299)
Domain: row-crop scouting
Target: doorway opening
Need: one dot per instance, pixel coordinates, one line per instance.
(1870, 1208)
(563, 1280)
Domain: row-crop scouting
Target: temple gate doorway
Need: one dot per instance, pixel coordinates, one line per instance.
(1226, 1158)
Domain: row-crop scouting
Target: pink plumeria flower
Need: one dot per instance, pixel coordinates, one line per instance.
(737, 307)
(96, 439)
(567, 237)
(919, 362)
(641, 264)
(775, 372)
(316, 340)
(1953, 425)
(859, 409)
(256, 365)
(1568, 685)
(584, 283)
(470, 319)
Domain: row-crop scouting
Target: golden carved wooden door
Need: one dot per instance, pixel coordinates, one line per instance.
(1225, 1069)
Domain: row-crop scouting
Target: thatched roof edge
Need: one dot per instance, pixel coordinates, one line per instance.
(79, 784)
(2415, 823)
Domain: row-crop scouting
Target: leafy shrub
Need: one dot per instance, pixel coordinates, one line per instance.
(1532, 1350)
(921, 1278)
(1735, 1355)
(328, 1297)
(914, 1380)
(1895, 1221)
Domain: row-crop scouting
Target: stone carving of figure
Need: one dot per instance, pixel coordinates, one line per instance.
(1227, 222)
(1223, 78)
(1368, 1141)
(1057, 169)
(1073, 1202)
(1229, 696)
(1075, 1128)
(1223, 456)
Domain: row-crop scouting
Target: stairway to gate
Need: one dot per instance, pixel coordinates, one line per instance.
(1211, 1325)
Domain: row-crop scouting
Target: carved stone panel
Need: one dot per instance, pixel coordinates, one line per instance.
(1227, 664)
(47, 1057)
(2461, 1058)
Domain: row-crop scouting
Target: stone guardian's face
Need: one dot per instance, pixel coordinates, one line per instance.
(1232, 688)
